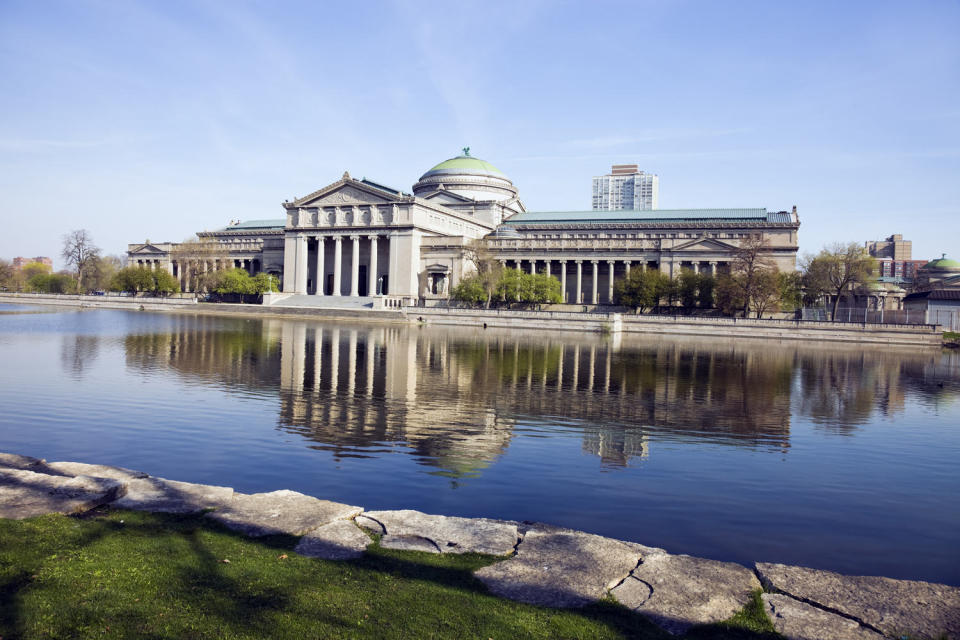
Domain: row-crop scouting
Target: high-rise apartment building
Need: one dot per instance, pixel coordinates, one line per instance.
(626, 187)
(894, 247)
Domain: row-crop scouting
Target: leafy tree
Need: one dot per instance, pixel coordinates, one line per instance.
(836, 270)
(705, 291)
(471, 290)
(766, 292)
(728, 293)
(101, 272)
(688, 283)
(265, 283)
(791, 290)
(34, 268)
(544, 289)
(52, 283)
(80, 253)
(488, 270)
(232, 281)
(164, 283)
(642, 289)
(7, 275)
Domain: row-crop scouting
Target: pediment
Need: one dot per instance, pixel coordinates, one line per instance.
(345, 193)
(448, 197)
(705, 244)
(147, 249)
(437, 268)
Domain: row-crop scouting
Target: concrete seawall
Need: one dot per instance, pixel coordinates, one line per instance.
(593, 322)
(914, 335)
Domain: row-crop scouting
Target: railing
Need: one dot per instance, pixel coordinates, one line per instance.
(885, 316)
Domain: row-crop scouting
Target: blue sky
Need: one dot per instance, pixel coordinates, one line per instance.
(142, 120)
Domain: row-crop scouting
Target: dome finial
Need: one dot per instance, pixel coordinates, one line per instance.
(466, 151)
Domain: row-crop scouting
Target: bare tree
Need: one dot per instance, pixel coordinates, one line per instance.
(80, 253)
(836, 270)
(194, 256)
(750, 264)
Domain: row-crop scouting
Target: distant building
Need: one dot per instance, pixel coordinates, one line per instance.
(20, 261)
(894, 248)
(626, 187)
(894, 257)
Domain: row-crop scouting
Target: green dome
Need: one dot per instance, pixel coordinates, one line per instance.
(465, 164)
(943, 264)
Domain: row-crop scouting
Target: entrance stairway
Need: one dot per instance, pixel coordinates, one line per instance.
(327, 302)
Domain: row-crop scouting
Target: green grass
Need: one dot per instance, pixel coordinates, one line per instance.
(125, 574)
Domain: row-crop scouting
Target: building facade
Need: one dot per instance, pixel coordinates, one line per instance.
(626, 187)
(358, 239)
(19, 262)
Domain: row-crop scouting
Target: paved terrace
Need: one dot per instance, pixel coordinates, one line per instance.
(542, 564)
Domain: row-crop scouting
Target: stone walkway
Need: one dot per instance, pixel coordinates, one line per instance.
(542, 565)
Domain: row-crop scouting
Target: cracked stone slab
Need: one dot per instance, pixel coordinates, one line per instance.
(893, 607)
(369, 523)
(340, 540)
(279, 512)
(24, 494)
(679, 591)
(170, 496)
(25, 463)
(95, 471)
(797, 620)
(409, 543)
(560, 568)
(449, 534)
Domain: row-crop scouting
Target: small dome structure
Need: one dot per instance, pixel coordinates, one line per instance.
(938, 269)
(466, 176)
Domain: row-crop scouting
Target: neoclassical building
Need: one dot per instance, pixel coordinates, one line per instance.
(358, 239)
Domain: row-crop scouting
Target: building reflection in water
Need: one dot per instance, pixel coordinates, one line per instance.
(455, 398)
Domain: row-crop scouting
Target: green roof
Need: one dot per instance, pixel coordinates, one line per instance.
(465, 164)
(259, 224)
(942, 263)
(631, 216)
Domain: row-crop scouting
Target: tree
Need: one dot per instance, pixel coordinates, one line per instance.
(836, 270)
(80, 253)
(194, 256)
(766, 292)
(688, 283)
(265, 283)
(471, 290)
(642, 289)
(7, 275)
(488, 270)
(705, 291)
(52, 283)
(791, 290)
(164, 282)
(750, 260)
(101, 272)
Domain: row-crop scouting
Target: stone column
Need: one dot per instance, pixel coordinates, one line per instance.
(627, 268)
(301, 264)
(596, 272)
(713, 268)
(533, 266)
(337, 249)
(355, 269)
(547, 271)
(610, 284)
(696, 267)
(320, 274)
(372, 276)
(563, 279)
(578, 297)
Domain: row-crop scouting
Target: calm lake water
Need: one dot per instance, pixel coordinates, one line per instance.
(831, 456)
